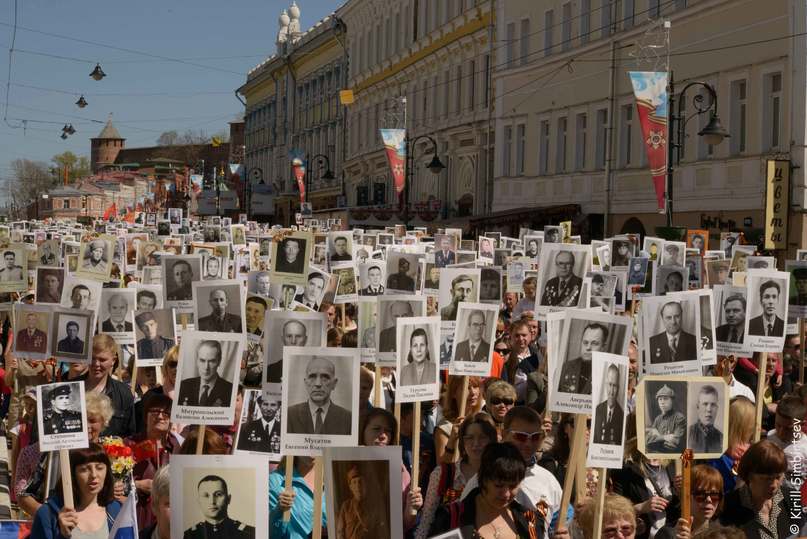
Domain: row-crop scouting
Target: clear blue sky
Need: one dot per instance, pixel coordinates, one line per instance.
(230, 37)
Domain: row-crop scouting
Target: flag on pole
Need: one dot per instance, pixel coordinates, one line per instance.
(125, 526)
(110, 212)
(298, 165)
(10, 529)
(650, 89)
(395, 145)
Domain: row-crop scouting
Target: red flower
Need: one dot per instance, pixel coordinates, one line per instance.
(145, 450)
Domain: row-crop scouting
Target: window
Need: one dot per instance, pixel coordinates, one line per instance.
(511, 44)
(507, 150)
(485, 83)
(543, 163)
(585, 20)
(549, 17)
(520, 147)
(738, 116)
(560, 148)
(471, 84)
(580, 141)
(602, 129)
(525, 41)
(363, 195)
(654, 8)
(458, 104)
(628, 15)
(605, 18)
(772, 113)
(626, 136)
(446, 93)
(566, 27)
(379, 194)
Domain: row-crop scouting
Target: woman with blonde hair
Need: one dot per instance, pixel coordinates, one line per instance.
(742, 422)
(500, 397)
(105, 358)
(446, 433)
(618, 517)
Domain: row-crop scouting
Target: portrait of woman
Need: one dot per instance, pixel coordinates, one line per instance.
(420, 368)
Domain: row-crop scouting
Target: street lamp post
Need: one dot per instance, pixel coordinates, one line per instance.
(713, 134)
(255, 175)
(324, 162)
(435, 166)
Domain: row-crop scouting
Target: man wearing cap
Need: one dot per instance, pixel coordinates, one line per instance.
(152, 345)
(704, 437)
(118, 309)
(12, 272)
(219, 319)
(59, 418)
(671, 255)
(71, 344)
(95, 260)
(262, 434)
(214, 498)
(358, 517)
(31, 338)
(666, 434)
(673, 344)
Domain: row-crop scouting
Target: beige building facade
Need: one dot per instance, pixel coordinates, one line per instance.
(560, 126)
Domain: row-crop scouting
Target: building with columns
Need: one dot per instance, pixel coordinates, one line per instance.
(424, 66)
(567, 135)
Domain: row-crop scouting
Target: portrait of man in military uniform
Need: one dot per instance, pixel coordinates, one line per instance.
(59, 415)
(214, 498)
(667, 430)
(47, 253)
(401, 280)
(96, 257)
(49, 285)
(30, 338)
(703, 435)
(262, 434)
(178, 277)
(563, 290)
(362, 513)
(221, 317)
(575, 375)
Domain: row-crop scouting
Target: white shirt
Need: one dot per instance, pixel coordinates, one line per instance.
(739, 389)
(795, 451)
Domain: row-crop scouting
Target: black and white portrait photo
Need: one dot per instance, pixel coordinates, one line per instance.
(340, 247)
(209, 365)
(313, 290)
(621, 252)
(61, 416)
(670, 279)
(13, 270)
(717, 272)
(213, 267)
(31, 331)
(219, 306)
(47, 253)
(321, 387)
(175, 216)
(215, 496)
(80, 293)
(707, 418)
(290, 258)
(473, 339)
(95, 258)
(290, 329)
(71, 335)
(155, 334)
(418, 358)
(797, 293)
(739, 257)
(553, 234)
(402, 272)
(258, 282)
(372, 278)
(346, 289)
(727, 242)
(49, 283)
(490, 285)
(673, 253)
(708, 338)
(560, 276)
(767, 309)
(486, 249)
(661, 416)
(179, 272)
(730, 306)
(532, 246)
(390, 308)
(115, 314)
(457, 285)
(671, 334)
(148, 297)
(259, 430)
(609, 393)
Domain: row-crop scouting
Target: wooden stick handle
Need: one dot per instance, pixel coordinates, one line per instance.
(463, 404)
(49, 473)
(67, 478)
(686, 490)
(415, 446)
(762, 368)
(200, 440)
(578, 441)
(601, 489)
(396, 411)
(318, 480)
(377, 387)
(289, 479)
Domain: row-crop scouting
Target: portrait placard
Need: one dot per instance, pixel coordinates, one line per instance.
(239, 484)
(674, 253)
(71, 335)
(259, 425)
(80, 293)
(797, 294)
(290, 258)
(372, 276)
(402, 272)
(290, 328)
(321, 389)
(670, 278)
(609, 389)
(155, 334)
(179, 272)
(207, 377)
(560, 275)
(767, 309)
(115, 315)
(362, 485)
(95, 258)
(314, 289)
(219, 306)
(390, 308)
(148, 296)
(49, 284)
(457, 285)
(487, 248)
(368, 318)
(61, 416)
(346, 289)
(580, 334)
(474, 334)
(730, 307)
(32, 331)
(670, 330)
(418, 362)
(13, 274)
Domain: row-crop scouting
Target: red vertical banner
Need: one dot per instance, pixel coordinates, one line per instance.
(650, 89)
(395, 146)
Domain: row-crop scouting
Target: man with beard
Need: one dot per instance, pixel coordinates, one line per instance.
(258, 434)
(152, 345)
(219, 319)
(575, 376)
(704, 437)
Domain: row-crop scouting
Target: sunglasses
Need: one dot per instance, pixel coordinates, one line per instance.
(503, 350)
(157, 411)
(701, 495)
(524, 437)
(495, 401)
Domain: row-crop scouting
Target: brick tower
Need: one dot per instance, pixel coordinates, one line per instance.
(105, 147)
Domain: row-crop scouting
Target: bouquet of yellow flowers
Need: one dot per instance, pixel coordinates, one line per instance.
(120, 456)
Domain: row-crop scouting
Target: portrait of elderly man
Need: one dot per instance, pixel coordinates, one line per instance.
(734, 314)
(575, 376)
(219, 319)
(262, 434)
(319, 414)
(768, 323)
(666, 432)
(704, 437)
(290, 256)
(208, 388)
(312, 291)
(474, 348)
(118, 308)
(214, 498)
(608, 427)
(152, 345)
(179, 281)
(563, 290)
(445, 255)
(31, 338)
(11, 271)
(293, 333)
(672, 344)
(462, 289)
(95, 259)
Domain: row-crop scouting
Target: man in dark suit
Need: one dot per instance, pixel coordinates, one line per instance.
(294, 333)
(386, 339)
(71, 344)
(445, 255)
(340, 253)
(608, 427)
(563, 290)
(259, 434)
(673, 344)
(401, 281)
(374, 287)
(207, 389)
(182, 274)
(118, 309)
(152, 345)
(289, 259)
(475, 348)
(312, 292)
(31, 338)
(768, 324)
(734, 312)
(318, 414)
(462, 289)
(220, 320)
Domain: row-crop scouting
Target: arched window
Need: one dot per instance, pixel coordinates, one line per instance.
(633, 226)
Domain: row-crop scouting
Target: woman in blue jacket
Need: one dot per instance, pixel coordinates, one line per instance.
(93, 495)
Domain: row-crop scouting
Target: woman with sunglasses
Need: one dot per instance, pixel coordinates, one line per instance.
(707, 493)
(168, 386)
(763, 508)
(618, 518)
(500, 397)
(448, 480)
(446, 433)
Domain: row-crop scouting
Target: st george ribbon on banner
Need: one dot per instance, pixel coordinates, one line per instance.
(650, 89)
(395, 145)
(298, 165)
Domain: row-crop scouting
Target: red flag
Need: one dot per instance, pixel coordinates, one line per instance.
(110, 212)
(650, 89)
(299, 174)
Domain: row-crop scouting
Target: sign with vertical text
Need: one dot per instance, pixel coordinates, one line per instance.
(777, 189)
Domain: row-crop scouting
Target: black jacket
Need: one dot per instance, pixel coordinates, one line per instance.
(123, 418)
(630, 483)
